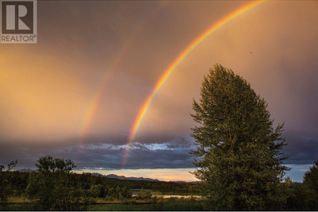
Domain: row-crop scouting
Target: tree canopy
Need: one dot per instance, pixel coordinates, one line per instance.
(52, 165)
(238, 152)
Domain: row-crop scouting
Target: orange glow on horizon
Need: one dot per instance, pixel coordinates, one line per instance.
(162, 174)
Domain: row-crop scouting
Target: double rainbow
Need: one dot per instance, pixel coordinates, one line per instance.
(87, 120)
(182, 56)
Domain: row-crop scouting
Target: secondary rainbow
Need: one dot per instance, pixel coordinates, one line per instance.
(171, 67)
(96, 99)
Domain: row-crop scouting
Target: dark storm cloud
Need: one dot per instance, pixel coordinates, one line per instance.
(301, 149)
(174, 154)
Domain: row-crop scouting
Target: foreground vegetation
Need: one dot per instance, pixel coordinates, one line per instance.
(69, 191)
(135, 206)
(54, 187)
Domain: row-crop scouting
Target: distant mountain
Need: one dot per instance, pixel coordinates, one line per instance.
(113, 176)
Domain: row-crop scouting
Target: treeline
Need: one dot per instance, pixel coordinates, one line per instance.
(54, 187)
(303, 196)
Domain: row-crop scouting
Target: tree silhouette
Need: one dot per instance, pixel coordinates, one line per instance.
(238, 152)
(52, 188)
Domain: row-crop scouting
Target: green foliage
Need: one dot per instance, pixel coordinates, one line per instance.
(63, 190)
(77, 191)
(143, 194)
(5, 175)
(238, 147)
(118, 192)
(48, 164)
(98, 191)
(296, 196)
(50, 186)
(311, 187)
(166, 205)
(3, 186)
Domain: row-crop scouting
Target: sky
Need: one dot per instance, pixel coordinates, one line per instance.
(75, 94)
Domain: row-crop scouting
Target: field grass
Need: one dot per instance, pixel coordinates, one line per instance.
(171, 205)
(16, 207)
(101, 204)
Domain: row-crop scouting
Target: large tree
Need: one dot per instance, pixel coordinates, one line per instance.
(238, 154)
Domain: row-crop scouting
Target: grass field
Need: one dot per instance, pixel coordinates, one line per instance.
(162, 205)
(165, 205)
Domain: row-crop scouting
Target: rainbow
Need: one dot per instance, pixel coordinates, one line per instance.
(93, 105)
(91, 111)
(171, 67)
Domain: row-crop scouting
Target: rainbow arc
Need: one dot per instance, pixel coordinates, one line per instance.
(182, 56)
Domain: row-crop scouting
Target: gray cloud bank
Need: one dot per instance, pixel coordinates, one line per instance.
(174, 153)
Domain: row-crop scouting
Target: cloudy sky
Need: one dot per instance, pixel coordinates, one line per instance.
(75, 94)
